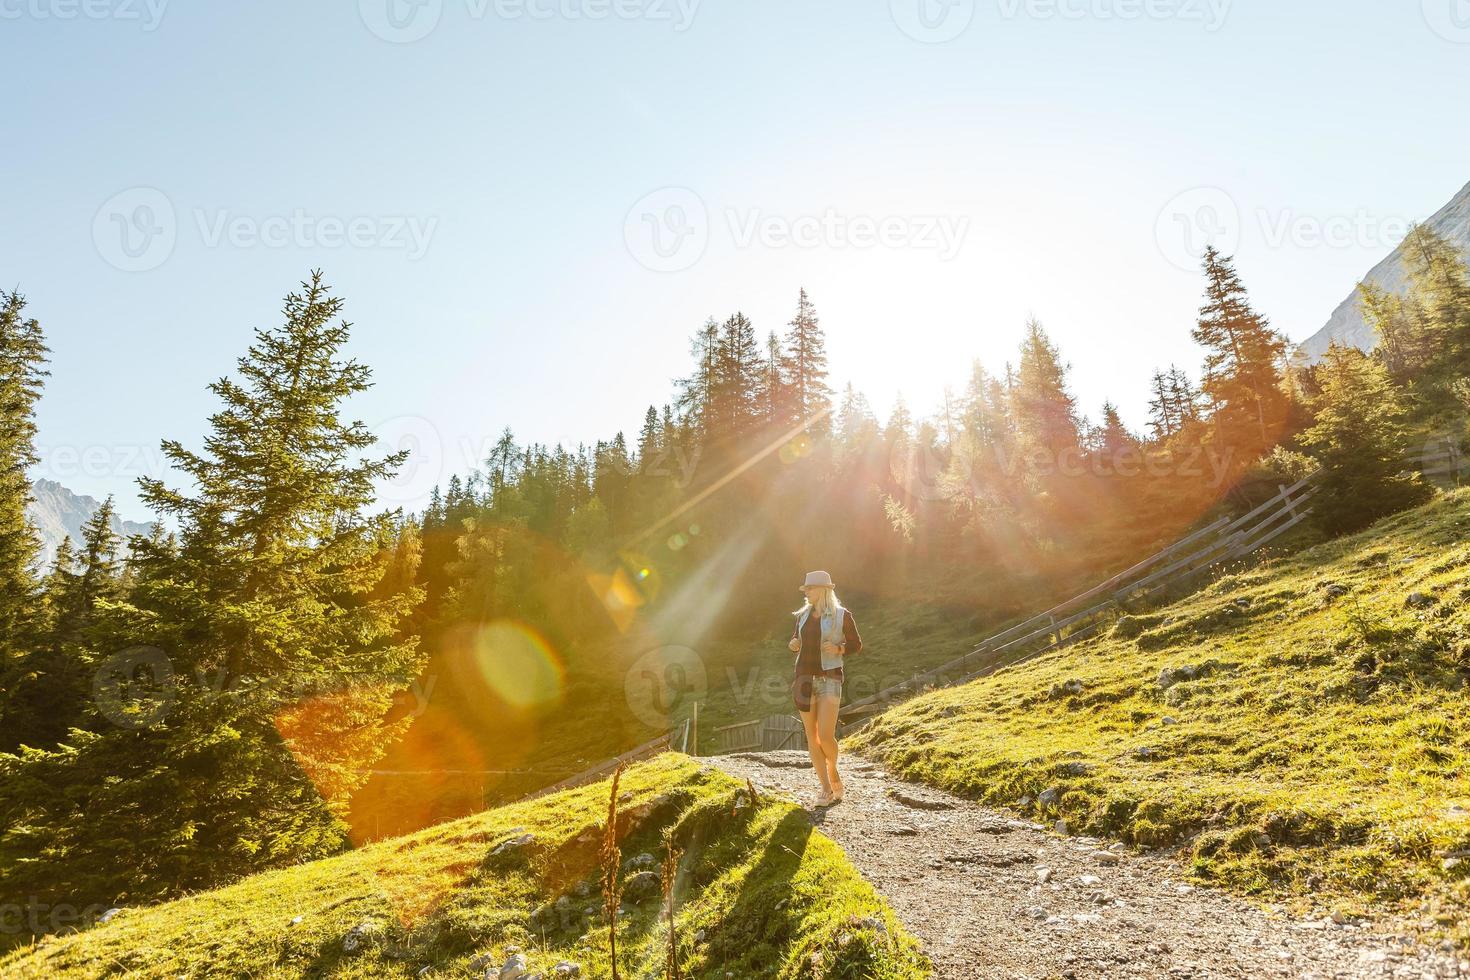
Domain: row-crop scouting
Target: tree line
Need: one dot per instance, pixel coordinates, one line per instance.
(212, 699)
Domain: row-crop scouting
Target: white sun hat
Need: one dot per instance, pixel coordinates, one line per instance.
(817, 579)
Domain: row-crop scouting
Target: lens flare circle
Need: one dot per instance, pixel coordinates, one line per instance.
(518, 665)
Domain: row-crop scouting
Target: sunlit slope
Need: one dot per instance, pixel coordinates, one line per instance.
(760, 894)
(1302, 728)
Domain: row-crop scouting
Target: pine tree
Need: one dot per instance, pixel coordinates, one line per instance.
(22, 372)
(284, 656)
(1113, 437)
(1359, 438)
(696, 392)
(806, 357)
(900, 428)
(1163, 415)
(74, 608)
(1440, 302)
(1242, 360)
(48, 693)
(1045, 412)
(777, 391)
(1185, 397)
(734, 398)
(649, 438)
(1404, 347)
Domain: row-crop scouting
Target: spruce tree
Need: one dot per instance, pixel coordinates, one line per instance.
(1242, 360)
(22, 373)
(98, 581)
(1113, 437)
(1359, 438)
(275, 654)
(806, 358)
(1163, 415)
(1045, 411)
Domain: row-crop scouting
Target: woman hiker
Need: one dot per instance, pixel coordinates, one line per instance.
(825, 633)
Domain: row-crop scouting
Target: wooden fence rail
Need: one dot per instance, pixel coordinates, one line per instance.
(1081, 616)
(676, 740)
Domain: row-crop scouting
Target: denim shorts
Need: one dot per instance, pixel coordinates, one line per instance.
(807, 688)
(825, 687)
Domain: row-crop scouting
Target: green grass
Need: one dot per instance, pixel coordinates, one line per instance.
(1322, 754)
(760, 894)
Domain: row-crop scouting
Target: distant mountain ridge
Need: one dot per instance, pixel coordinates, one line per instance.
(1347, 325)
(58, 513)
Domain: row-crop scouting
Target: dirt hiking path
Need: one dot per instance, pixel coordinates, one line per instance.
(991, 896)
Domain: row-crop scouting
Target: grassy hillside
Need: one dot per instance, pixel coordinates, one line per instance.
(1302, 729)
(760, 894)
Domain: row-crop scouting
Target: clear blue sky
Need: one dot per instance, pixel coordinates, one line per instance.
(516, 138)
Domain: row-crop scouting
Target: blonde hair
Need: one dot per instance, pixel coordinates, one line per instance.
(827, 601)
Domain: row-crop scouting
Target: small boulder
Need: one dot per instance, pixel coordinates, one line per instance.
(513, 968)
(1048, 797)
(640, 861)
(1419, 600)
(644, 884)
(515, 843)
(357, 937)
(566, 968)
(1074, 769)
(1168, 720)
(1063, 827)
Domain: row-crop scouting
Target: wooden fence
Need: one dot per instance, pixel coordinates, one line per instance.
(1181, 563)
(762, 735)
(677, 740)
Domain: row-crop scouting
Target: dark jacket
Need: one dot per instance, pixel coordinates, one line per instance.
(809, 660)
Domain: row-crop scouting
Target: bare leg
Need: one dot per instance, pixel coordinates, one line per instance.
(814, 749)
(827, 709)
